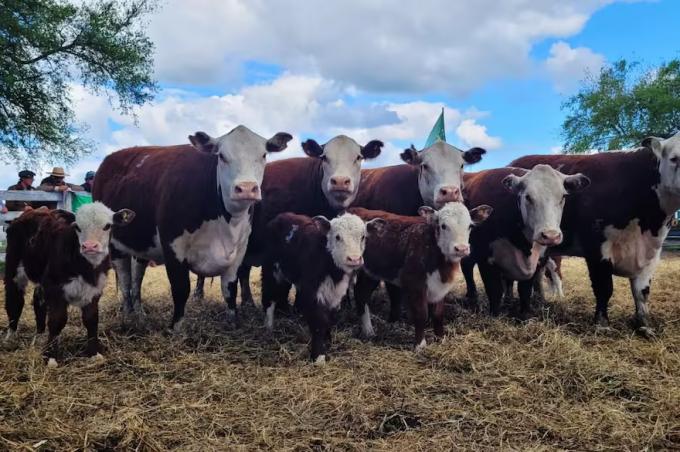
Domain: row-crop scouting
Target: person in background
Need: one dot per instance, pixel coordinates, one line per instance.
(55, 182)
(89, 180)
(25, 183)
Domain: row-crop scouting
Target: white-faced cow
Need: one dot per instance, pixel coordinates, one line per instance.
(193, 205)
(620, 223)
(420, 255)
(324, 183)
(319, 257)
(68, 257)
(528, 207)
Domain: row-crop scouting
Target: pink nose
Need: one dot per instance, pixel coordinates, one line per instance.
(246, 191)
(355, 261)
(89, 246)
(449, 194)
(340, 183)
(550, 238)
(462, 250)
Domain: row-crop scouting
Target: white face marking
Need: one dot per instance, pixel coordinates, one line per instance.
(215, 247)
(452, 225)
(330, 294)
(629, 250)
(668, 153)
(440, 178)
(93, 227)
(346, 241)
(341, 164)
(366, 324)
(80, 293)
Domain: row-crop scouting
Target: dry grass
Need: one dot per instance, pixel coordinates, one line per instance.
(551, 383)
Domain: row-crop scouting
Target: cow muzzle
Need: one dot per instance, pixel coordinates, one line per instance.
(461, 250)
(354, 261)
(90, 247)
(448, 194)
(550, 237)
(246, 191)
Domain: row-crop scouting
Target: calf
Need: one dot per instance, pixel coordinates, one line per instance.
(68, 256)
(621, 222)
(421, 255)
(528, 208)
(318, 256)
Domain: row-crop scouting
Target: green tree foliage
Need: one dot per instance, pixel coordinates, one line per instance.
(623, 105)
(47, 45)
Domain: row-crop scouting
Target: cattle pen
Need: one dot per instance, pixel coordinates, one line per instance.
(553, 382)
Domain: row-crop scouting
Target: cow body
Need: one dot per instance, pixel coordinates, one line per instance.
(195, 206)
(67, 256)
(620, 223)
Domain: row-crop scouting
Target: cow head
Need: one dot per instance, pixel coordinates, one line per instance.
(541, 194)
(440, 171)
(452, 224)
(341, 161)
(346, 239)
(92, 224)
(667, 153)
(241, 156)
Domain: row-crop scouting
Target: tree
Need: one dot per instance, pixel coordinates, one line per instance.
(48, 45)
(623, 105)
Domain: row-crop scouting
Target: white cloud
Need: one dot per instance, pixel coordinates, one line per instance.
(474, 134)
(567, 66)
(379, 46)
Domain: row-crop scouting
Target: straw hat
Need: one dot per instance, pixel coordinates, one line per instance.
(58, 171)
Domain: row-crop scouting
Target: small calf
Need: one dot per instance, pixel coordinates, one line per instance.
(419, 254)
(319, 257)
(67, 255)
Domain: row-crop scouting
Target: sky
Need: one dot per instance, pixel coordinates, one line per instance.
(376, 69)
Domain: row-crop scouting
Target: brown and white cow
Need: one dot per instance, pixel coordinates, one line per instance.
(193, 204)
(420, 255)
(620, 223)
(68, 257)
(324, 183)
(319, 257)
(528, 207)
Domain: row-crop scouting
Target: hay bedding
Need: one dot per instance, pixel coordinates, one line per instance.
(550, 383)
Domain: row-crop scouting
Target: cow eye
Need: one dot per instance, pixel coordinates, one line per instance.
(223, 159)
(529, 199)
(425, 167)
(76, 227)
(443, 227)
(264, 156)
(461, 166)
(674, 160)
(107, 227)
(359, 158)
(324, 158)
(363, 237)
(337, 237)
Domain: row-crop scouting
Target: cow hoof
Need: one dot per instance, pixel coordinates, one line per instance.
(367, 330)
(421, 346)
(52, 363)
(320, 360)
(198, 297)
(177, 328)
(646, 332)
(97, 359)
(247, 300)
(11, 336)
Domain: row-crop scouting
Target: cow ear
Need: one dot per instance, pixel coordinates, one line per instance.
(473, 155)
(655, 145)
(123, 217)
(512, 183)
(278, 142)
(480, 213)
(312, 148)
(322, 223)
(203, 142)
(65, 215)
(427, 212)
(375, 225)
(411, 156)
(576, 182)
(372, 149)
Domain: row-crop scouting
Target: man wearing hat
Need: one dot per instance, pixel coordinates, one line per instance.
(25, 183)
(55, 182)
(89, 180)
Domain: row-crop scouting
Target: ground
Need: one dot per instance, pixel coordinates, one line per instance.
(549, 383)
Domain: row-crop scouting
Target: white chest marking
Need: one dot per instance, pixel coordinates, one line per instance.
(630, 250)
(515, 264)
(80, 293)
(330, 294)
(215, 246)
(21, 278)
(437, 289)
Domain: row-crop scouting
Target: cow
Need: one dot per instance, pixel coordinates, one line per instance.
(431, 177)
(621, 222)
(319, 256)
(528, 207)
(323, 183)
(194, 205)
(67, 256)
(420, 255)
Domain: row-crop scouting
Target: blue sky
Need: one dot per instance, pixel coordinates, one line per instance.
(377, 70)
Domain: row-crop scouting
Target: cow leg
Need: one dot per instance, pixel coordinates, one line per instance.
(138, 267)
(90, 316)
(640, 287)
(272, 290)
(15, 291)
(199, 294)
(438, 318)
(57, 314)
(394, 294)
(40, 309)
(525, 288)
(493, 284)
(363, 289)
(244, 280)
(601, 281)
(319, 326)
(228, 284)
(122, 264)
(467, 266)
(508, 289)
(180, 285)
(419, 309)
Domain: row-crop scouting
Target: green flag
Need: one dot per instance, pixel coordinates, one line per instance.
(437, 133)
(79, 199)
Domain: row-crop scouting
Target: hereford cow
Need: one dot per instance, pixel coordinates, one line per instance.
(68, 256)
(193, 205)
(528, 208)
(621, 222)
(324, 183)
(420, 255)
(318, 256)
